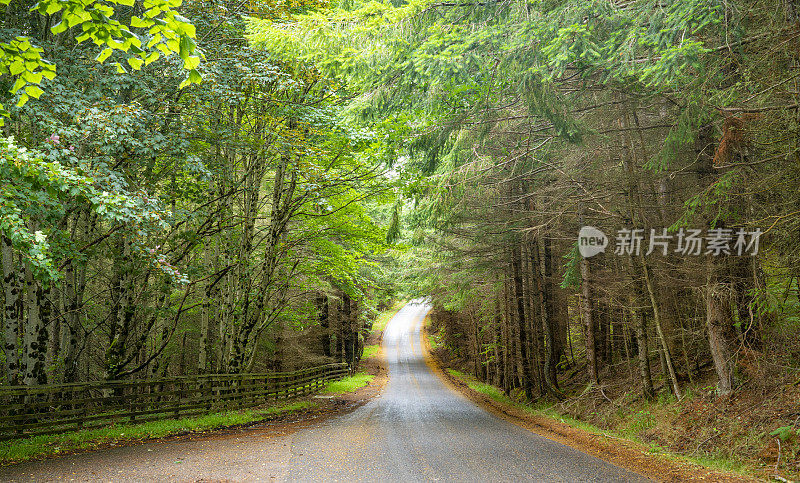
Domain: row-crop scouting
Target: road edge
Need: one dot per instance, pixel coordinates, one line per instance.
(626, 454)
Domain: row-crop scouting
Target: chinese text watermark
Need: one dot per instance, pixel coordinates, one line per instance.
(693, 242)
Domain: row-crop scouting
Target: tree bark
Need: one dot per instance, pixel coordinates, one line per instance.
(719, 323)
(642, 352)
(12, 311)
(587, 311)
(519, 297)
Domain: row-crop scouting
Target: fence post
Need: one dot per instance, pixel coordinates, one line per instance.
(134, 393)
(180, 398)
(87, 394)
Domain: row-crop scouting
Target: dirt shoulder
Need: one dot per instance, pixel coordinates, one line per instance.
(624, 453)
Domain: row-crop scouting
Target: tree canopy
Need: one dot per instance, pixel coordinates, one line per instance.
(224, 181)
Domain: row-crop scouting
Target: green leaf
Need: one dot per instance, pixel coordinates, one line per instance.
(17, 67)
(783, 432)
(33, 77)
(18, 85)
(151, 57)
(53, 8)
(102, 56)
(191, 63)
(136, 22)
(34, 91)
(59, 28)
(185, 47)
(194, 77)
(135, 63)
(22, 100)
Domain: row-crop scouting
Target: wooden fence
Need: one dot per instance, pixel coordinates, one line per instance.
(32, 410)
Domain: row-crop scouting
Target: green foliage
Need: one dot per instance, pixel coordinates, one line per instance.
(159, 31)
(36, 187)
(384, 317)
(785, 432)
(571, 277)
(483, 388)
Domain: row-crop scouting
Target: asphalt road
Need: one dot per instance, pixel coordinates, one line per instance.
(418, 429)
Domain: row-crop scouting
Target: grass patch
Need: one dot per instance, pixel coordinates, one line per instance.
(380, 322)
(371, 351)
(348, 384)
(483, 388)
(17, 450)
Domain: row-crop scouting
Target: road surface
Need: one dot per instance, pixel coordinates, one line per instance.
(418, 429)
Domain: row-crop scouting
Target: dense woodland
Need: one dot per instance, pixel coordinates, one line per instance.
(157, 225)
(530, 120)
(237, 186)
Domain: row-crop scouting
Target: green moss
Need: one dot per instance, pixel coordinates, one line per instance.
(370, 351)
(49, 445)
(348, 384)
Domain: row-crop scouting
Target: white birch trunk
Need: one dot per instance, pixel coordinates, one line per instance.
(11, 312)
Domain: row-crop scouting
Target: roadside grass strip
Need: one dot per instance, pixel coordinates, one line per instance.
(348, 384)
(371, 351)
(18, 450)
(548, 410)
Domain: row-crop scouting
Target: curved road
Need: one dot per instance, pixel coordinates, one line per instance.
(416, 430)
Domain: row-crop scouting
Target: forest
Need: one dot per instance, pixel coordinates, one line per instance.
(240, 186)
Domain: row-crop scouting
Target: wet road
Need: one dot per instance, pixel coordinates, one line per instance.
(416, 430)
(419, 429)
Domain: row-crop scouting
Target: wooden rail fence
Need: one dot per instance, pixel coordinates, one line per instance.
(49, 409)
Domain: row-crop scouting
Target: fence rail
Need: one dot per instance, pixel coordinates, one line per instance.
(50, 409)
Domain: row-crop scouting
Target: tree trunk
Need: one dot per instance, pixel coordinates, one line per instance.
(642, 352)
(34, 335)
(533, 309)
(721, 332)
(205, 333)
(541, 267)
(519, 297)
(587, 311)
(325, 337)
(673, 379)
(121, 319)
(12, 311)
(70, 325)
